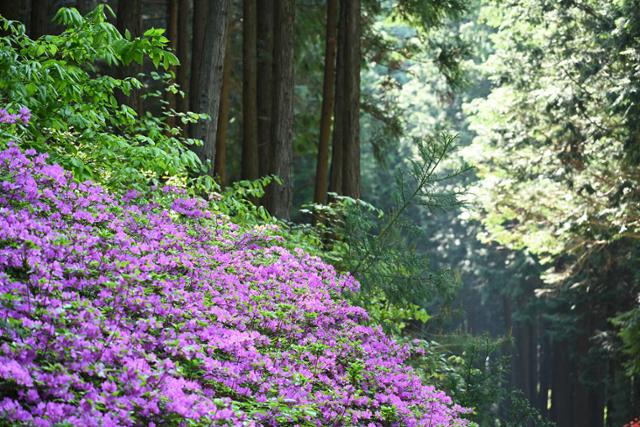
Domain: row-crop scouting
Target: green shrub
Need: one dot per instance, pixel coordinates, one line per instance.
(68, 82)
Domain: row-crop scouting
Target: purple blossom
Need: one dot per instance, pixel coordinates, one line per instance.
(126, 313)
(24, 115)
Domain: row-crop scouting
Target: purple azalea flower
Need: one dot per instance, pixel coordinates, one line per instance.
(125, 312)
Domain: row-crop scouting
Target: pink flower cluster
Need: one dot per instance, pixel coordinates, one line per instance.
(139, 312)
(23, 115)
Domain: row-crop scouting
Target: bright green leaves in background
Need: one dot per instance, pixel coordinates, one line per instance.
(68, 82)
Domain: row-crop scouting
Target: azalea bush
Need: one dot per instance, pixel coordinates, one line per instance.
(159, 312)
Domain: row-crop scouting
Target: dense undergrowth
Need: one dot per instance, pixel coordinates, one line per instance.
(156, 311)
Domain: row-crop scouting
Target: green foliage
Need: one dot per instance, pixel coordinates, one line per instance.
(629, 325)
(554, 149)
(68, 82)
(556, 157)
(475, 372)
(379, 248)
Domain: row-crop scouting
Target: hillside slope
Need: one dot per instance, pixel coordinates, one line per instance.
(156, 312)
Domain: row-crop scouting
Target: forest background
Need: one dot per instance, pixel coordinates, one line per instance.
(473, 163)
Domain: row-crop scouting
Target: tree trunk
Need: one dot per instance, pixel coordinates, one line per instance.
(39, 18)
(280, 196)
(200, 13)
(580, 392)
(337, 144)
(352, 59)
(561, 386)
(328, 93)
(184, 40)
(130, 18)
(249, 96)
(544, 377)
(86, 6)
(211, 67)
(220, 168)
(264, 83)
(533, 358)
(172, 35)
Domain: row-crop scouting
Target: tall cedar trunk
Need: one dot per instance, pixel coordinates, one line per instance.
(39, 18)
(561, 386)
(533, 359)
(507, 349)
(337, 144)
(210, 74)
(351, 140)
(130, 18)
(523, 357)
(280, 196)
(184, 40)
(86, 6)
(544, 377)
(220, 166)
(172, 35)
(328, 94)
(249, 96)
(264, 54)
(200, 13)
(580, 392)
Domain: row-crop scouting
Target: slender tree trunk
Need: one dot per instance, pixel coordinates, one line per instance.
(280, 197)
(184, 40)
(220, 168)
(86, 6)
(172, 35)
(200, 13)
(211, 67)
(328, 93)
(264, 83)
(561, 386)
(544, 376)
(337, 144)
(533, 359)
(130, 18)
(352, 59)
(580, 392)
(522, 358)
(250, 167)
(39, 18)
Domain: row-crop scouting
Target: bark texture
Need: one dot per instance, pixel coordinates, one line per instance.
(345, 161)
(328, 93)
(184, 40)
(200, 13)
(172, 35)
(39, 18)
(280, 197)
(207, 97)
(264, 52)
(337, 143)
(351, 140)
(220, 165)
(250, 168)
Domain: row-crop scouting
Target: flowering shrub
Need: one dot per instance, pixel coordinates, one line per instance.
(23, 115)
(139, 312)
